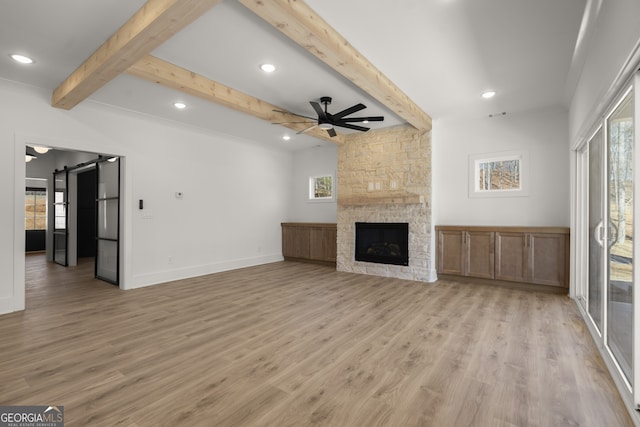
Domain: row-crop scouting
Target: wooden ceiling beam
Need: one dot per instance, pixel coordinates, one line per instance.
(148, 28)
(300, 23)
(174, 77)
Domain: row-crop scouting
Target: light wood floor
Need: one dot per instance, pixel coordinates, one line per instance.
(290, 344)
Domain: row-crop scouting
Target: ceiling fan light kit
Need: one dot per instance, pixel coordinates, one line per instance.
(327, 121)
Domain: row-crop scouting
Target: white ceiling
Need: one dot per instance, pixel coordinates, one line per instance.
(442, 53)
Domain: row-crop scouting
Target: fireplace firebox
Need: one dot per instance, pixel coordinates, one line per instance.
(382, 242)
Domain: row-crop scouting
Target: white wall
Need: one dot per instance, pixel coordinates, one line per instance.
(236, 192)
(312, 162)
(541, 133)
(611, 41)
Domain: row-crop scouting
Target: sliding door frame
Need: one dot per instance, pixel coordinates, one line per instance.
(636, 245)
(629, 392)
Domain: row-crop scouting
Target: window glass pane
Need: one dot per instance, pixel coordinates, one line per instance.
(59, 243)
(60, 211)
(108, 219)
(620, 181)
(107, 260)
(498, 175)
(321, 187)
(108, 185)
(35, 212)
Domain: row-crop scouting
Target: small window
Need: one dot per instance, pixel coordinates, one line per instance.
(35, 209)
(498, 175)
(321, 187)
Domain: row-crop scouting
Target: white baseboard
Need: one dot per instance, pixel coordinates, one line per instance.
(10, 304)
(150, 279)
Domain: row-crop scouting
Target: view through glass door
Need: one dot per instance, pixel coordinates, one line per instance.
(605, 168)
(60, 217)
(620, 234)
(108, 220)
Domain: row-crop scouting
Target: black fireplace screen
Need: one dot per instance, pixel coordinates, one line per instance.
(382, 242)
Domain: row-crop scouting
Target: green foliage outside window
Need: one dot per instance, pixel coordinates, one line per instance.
(321, 187)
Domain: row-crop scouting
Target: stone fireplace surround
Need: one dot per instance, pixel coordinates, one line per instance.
(385, 176)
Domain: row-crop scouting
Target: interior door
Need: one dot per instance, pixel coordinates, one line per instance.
(619, 292)
(107, 266)
(60, 217)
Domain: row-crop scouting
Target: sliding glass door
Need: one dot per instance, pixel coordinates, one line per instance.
(620, 183)
(605, 169)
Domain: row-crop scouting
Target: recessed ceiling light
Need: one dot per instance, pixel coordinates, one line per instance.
(180, 105)
(41, 150)
(286, 137)
(21, 58)
(489, 94)
(268, 68)
(365, 121)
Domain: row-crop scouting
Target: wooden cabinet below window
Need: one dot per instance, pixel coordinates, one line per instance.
(534, 255)
(305, 241)
(466, 253)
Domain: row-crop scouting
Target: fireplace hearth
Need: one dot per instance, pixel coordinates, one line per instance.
(382, 242)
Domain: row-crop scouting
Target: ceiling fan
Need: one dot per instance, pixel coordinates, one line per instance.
(327, 121)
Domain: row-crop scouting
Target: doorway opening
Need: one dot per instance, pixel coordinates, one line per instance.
(82, 215)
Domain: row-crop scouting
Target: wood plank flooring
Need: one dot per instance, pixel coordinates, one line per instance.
(290, 344)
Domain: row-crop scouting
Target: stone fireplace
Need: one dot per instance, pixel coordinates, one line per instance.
(385, 177)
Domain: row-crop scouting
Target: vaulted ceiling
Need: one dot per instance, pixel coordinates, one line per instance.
(403, 59)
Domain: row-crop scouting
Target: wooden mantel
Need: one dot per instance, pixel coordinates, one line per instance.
(388, 199)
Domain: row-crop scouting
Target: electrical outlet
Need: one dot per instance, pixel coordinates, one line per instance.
(394, 184)
(378, 186)
(370, 186)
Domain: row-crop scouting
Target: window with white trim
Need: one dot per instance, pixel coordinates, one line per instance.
(321, 187)
(498, 174)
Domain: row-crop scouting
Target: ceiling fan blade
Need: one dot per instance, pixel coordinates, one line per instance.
(306, 130)
(318, 108)
(290, 123)
(362, 119)
(354, 127)
(331, 132)
(348, 111)
(293, 114)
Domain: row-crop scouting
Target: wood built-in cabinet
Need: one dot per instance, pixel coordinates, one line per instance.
(305, 241)
(535, 255)
(466, 253)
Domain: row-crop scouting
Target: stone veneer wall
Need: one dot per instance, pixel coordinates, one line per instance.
(385, 176)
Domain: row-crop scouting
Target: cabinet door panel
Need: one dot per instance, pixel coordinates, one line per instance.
(323, 244)
(547, 259)
(480, 254)
(511, 253)
(450, 252)
(295, 242)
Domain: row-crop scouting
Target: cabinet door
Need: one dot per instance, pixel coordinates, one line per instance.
(295, 242)
(451, 252)
(511, 256)
(479, 260)
(323, 245)
(547, 259)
